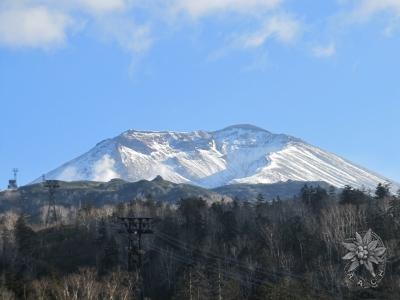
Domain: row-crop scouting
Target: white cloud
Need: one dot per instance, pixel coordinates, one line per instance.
(367, 8)
(102, 6)
(282, 28)
(36, 27)
(200, 8)
(392, 27)
(103, 169)
(363, 11)
(47, 23)
(92, 7)
(324, 51)
(129, 35)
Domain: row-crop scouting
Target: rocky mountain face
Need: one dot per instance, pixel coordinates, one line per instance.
(240, 154)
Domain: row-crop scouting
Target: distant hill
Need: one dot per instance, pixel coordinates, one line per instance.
(100, 193)
(282, 190)
(31, 198)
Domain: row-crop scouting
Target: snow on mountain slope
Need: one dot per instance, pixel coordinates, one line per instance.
(236, 154)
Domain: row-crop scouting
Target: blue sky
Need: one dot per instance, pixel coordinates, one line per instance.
(73, 73)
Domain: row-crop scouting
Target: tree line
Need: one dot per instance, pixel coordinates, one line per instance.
(276, 249)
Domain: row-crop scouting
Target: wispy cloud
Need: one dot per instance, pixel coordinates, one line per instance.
(324, 51)
(260, 21)
(133, 37)
(200, 8)
(46, 24)
(282, 28)
(135, 25)
(100, 6)
(364, 9)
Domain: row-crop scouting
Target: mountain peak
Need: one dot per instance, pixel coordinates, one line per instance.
(240, 153)
(158, 178)
(246, 127)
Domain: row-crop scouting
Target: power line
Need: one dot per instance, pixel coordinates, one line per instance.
(233, 275)
(213, 256)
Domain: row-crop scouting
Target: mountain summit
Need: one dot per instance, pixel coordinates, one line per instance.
(236, 154)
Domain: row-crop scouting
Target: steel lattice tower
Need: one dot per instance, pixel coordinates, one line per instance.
(135, 228)
(51, 216)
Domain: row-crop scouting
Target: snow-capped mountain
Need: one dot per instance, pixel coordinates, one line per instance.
(236, 154)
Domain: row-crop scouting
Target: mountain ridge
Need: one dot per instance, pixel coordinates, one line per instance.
(237, 154)
(32, 199)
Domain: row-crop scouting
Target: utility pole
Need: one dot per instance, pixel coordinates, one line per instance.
(51, 215)
(135, 228)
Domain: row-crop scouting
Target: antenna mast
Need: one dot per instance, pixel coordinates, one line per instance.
(15, 171)
(12, 183)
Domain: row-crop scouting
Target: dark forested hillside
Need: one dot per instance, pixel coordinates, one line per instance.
(201, 250)
(33, 199)
(282, 190)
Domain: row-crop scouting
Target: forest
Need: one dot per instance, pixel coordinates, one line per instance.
(197, 249)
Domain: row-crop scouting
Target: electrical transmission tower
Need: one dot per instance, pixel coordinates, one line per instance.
(135, 228)
(51, 216)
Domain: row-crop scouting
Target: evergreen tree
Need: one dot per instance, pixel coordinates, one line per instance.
(101, 233)
(260, 198)
(394, 209)
(332, 192)
(382, 191)
(109, 258)
(229, 226)
(353, 196)
(194, 211)
(314, 198)
(25, 237)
